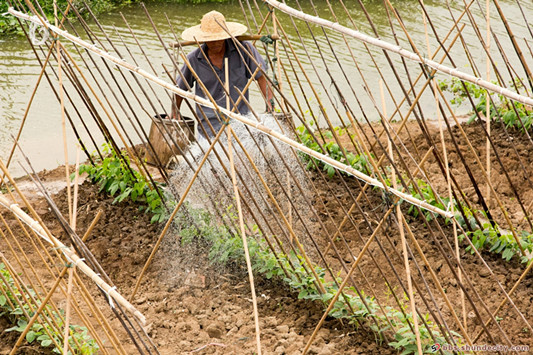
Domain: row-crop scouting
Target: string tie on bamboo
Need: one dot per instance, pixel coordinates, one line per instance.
(43, 32)
(225, 119)
(387, 197)
(109, 298)
(267, 39)
(73, 263)
(427, 69)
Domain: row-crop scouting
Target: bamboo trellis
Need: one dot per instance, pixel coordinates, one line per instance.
(279, 196)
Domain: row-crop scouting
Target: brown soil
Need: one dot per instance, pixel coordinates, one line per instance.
(190, 303)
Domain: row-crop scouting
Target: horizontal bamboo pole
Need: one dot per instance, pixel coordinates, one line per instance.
(255, 124)
(403, 52)
(72, 257)
(238, 38)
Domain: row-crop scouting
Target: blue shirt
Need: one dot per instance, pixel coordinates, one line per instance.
(239, 73)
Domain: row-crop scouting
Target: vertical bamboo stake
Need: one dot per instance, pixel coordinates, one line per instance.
(278, 79)
(62, 103)
(226, 74)
(399, 217)
(67, 177)
(448, 179)
(487, 99)
(67, 312)
(72, 265)
(229, 132)
(76, 181)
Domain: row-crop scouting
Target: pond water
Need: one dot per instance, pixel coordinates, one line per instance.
(42, 135)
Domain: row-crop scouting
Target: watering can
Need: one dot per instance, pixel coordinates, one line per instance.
(168, 138)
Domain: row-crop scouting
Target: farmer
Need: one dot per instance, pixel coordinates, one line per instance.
(216, 34)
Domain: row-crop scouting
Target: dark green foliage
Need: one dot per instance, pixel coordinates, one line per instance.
(116, 178)
(428, 195)
(9, 24)
(189, 1)
(501, 105)
(358, 162)
(41, 332)
(487, 238)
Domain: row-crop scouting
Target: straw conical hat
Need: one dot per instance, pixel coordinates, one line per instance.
(213, 28)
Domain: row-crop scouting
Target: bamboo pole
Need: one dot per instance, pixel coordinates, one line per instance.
(229, 133)
(71, 267)
(399, 217)
(91, 226)
(487, 99)
(345, 281)
(403, 52)
(66, 333)
(70, 255)
(63, 124)
(279, 81)
(173, 214)
(274, 37)
(257, 125)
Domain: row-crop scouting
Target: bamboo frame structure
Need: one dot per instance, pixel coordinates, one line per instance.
(294, 181)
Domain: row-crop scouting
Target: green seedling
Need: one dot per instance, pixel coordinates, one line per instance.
(197, 224)
(520, 116)
(116, 178)
(41, 332)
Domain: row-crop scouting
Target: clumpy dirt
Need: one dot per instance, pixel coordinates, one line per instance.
(506, 272)
(191, 304)
(194, 306)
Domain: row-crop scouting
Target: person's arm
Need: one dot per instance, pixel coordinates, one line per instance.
(267, 92)
(260, 78)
